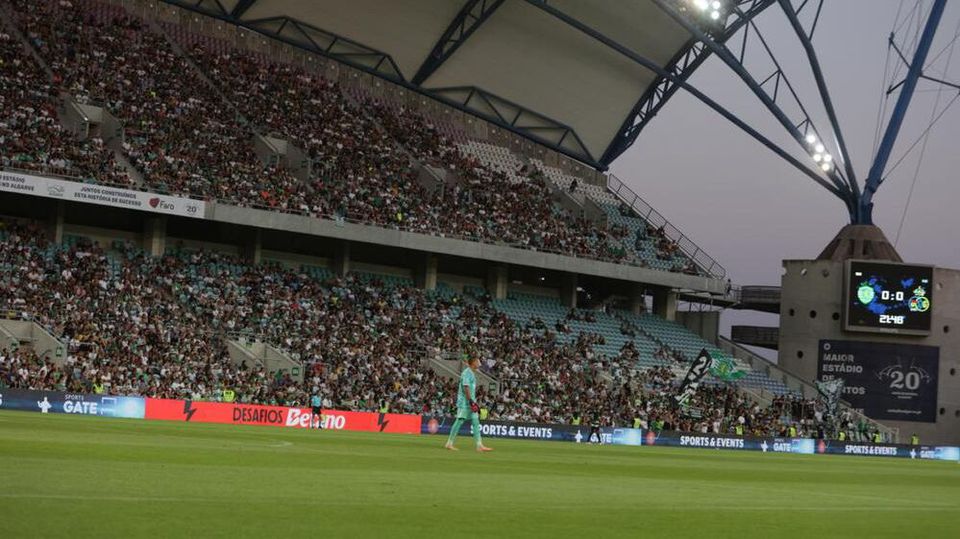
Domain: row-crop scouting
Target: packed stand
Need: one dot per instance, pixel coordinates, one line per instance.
(179, 133)
(142, 325)
(31, 135)
(191, 136)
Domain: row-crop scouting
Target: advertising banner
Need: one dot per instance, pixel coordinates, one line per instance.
(886, 381)
(519, 431)
(627, 436)
(804, 446)
(278, 416)
(926, 452)
(56, 402)
(706, 441)
(118, 197)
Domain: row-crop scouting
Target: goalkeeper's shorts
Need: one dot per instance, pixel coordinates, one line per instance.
(466, 413)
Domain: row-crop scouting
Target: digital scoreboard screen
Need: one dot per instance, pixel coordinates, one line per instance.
(888, 298)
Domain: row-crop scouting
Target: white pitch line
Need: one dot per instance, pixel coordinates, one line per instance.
(296, 501)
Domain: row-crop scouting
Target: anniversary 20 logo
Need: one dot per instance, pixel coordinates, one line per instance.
(886, 381)
(903, 380)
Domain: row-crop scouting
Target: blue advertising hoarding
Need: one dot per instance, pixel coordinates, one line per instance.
(57, 402)
(643, 437)
(520, 431)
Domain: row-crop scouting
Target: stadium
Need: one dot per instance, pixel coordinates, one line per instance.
(380, 268)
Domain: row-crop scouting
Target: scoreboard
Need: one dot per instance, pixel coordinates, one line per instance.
(885, 297)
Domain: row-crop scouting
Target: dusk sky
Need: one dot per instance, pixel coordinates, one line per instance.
(749, 209)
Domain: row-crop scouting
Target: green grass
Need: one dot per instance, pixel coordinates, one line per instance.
(66, 476)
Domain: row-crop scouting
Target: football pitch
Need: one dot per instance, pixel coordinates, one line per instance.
(66, 476)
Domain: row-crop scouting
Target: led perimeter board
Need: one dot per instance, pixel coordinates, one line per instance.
(886, 297)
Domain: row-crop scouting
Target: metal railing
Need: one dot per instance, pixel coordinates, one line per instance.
(652, 216)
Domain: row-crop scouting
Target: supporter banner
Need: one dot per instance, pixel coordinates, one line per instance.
(698, 369)
(886, 381)
(56, 402)
(15, 182)
(521, 431)
(278, 416)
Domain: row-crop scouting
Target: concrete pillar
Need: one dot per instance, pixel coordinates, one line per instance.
(341, 259)
(497, 281)
(55, 222)
(427, 272)
(637, 298)
(568, 290)
(155, 235)
(665, 303)
(704, 323)
(252, 248)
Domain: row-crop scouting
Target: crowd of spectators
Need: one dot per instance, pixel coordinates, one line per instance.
(156, 326)
(190, 119)
(178, 132)
(31, 135)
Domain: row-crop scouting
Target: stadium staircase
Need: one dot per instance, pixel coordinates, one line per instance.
(8, 341)
(448, 366)
(502, 160)
(160, 30)
(270, 150)
(429, 177)
(7, 24)
(16, 333)
(256, 352)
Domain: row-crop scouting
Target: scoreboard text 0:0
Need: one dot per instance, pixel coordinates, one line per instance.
(886, 297)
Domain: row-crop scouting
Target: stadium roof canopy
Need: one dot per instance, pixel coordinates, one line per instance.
(569, 74)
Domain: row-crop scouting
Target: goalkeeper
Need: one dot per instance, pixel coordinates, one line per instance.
(467, 407)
